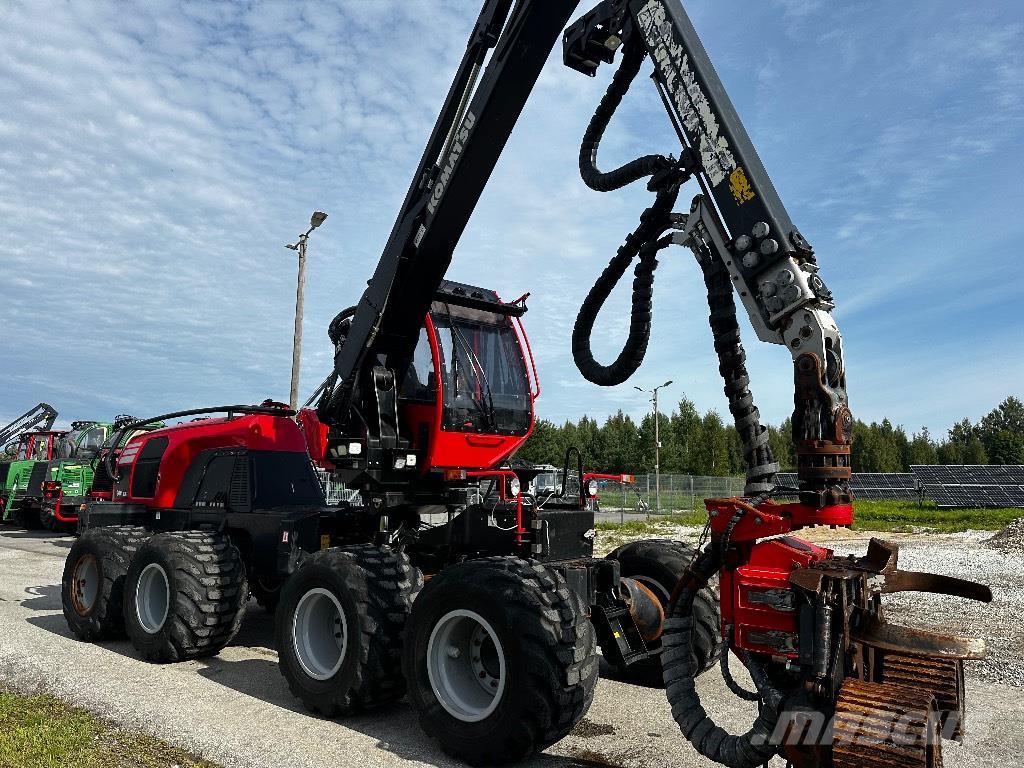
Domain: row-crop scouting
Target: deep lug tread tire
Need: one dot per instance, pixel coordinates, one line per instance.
(113, 547)
(550, 649)
(376, 587)
(208, 591)
(664, 562)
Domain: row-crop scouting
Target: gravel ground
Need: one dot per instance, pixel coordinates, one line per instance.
(235, 709)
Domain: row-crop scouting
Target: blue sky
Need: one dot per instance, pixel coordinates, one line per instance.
(154, 161)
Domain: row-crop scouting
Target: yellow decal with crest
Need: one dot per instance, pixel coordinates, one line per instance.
(739, 185)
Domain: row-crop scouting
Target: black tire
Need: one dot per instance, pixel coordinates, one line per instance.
(27, 516)
(544, 638)
(47, 518)
(659, 564)
(374, 588)
(200, 578)
(111, 550)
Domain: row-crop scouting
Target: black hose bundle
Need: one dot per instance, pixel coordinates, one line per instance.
(645, 242)
(760, 461)
(749, 750)
(634, 170)
(642, 242)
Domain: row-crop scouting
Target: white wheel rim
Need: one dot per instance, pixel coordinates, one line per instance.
(466, 665)
(320, 634)
(152, 598)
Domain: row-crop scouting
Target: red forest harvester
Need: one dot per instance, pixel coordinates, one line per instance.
(235, 497)
(498, 649)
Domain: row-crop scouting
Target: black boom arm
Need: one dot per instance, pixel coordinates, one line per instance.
(479, 113)
(41, 417)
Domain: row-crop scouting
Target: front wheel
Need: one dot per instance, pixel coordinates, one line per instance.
(500, 658)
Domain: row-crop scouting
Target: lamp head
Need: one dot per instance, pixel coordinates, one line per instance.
(317, 219)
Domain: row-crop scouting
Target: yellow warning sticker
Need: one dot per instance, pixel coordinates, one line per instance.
(325, 541)
(739, 185)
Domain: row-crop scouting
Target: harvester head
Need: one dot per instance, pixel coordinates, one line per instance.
(838, 684)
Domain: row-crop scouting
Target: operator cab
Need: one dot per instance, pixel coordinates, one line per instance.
(84, 440)
(464, 403)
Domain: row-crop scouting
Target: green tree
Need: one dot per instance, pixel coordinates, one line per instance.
(921, 449)
(687, 436)
(1006, 447)
(974, 452)
(620, 439)
(713, 454)
(1007, 417)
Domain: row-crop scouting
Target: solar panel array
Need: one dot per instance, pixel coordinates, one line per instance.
(876, 486)
(972, 485)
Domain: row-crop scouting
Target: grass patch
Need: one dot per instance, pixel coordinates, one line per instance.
(899, 516)
(41, 731)
(656, 521)
(908, 515)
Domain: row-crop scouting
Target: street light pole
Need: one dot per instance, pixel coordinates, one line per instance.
(657, 444)
(300, 296)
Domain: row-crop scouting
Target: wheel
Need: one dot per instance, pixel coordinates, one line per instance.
(92, 588)
(658, 564)
(339, 627)
(500, 658)
(185, 596)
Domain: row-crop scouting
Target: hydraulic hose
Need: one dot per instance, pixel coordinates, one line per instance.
(641, 242)
(761, 464)
(634, 170)
(749, 750)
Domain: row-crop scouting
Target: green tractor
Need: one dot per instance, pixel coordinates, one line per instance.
(79, 472)
(68, 478)
(25, 471)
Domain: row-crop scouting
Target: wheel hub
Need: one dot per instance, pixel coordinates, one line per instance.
(466, 665)
(152, 598)
(85, 585)
(320, 634)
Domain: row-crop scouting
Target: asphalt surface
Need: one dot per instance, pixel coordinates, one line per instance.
(236, 710)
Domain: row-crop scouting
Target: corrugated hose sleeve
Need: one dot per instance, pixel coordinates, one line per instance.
(749, 750)
(634, 170)
(643, 242)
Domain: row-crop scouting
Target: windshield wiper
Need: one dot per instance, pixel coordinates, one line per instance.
(486, 409)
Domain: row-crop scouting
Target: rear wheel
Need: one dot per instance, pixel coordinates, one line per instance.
(92, 588)
(658, 564)
(185, 596)
(339, 627)
(500, 658)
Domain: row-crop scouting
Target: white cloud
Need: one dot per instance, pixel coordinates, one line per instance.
(153, 163)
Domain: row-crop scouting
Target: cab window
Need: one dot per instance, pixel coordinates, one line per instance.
(91, 441)
(420, 382)
(40, 449)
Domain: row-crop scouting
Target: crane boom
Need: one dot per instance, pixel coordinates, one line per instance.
(41, 416)
(479, 113)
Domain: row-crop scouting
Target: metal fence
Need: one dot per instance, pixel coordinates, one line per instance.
(679, 493)
(335, 492)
